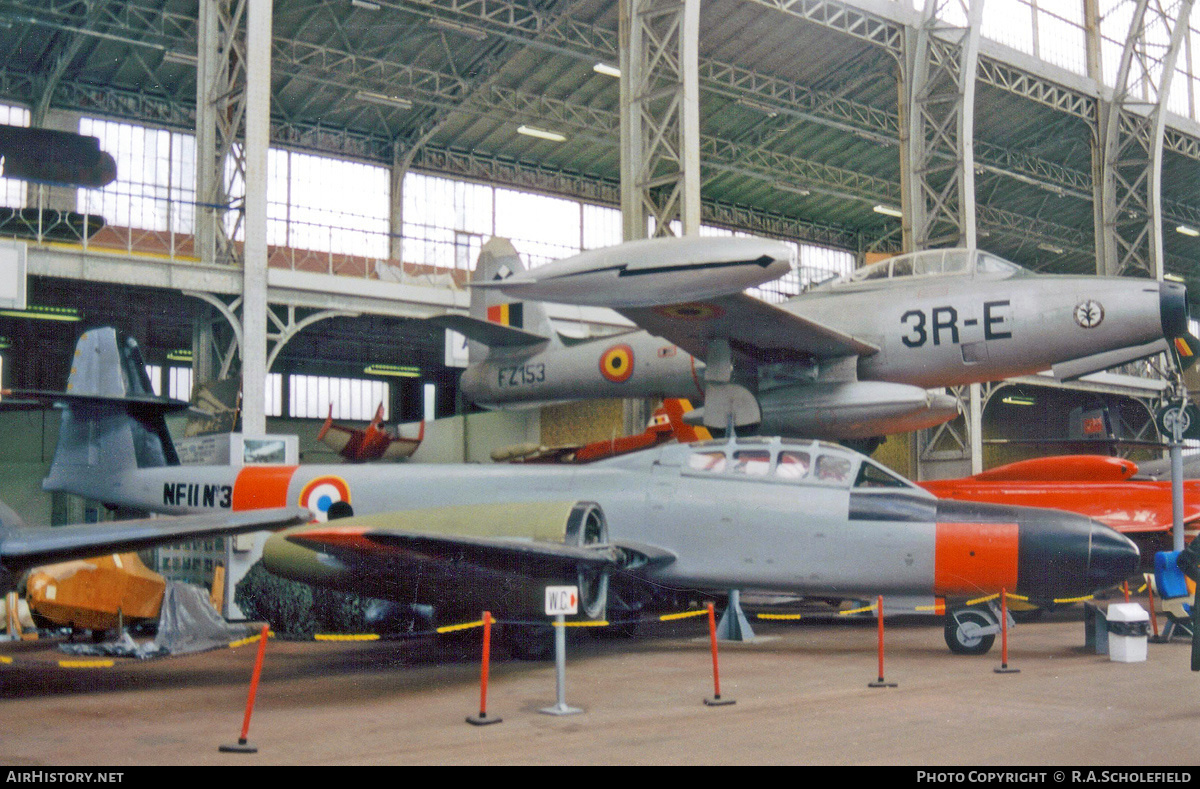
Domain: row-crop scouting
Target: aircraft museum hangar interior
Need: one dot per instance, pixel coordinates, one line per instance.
(302, 193)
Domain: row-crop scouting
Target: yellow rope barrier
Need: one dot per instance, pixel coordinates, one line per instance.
(85, 663)
(778, 616)
(684, 615)
(588, 623)
(856, 610)
(346, 637)
(453, 628)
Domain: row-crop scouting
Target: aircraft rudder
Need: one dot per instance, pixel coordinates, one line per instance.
(498, 260)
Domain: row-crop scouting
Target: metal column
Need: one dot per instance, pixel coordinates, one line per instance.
(660, 116)
(1129, 231)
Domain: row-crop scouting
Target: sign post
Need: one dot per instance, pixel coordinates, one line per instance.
(560, 601)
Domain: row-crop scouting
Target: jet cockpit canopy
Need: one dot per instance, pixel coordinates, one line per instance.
(933, 262)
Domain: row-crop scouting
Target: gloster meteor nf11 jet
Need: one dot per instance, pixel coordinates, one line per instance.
(854, 358)
(643, 531)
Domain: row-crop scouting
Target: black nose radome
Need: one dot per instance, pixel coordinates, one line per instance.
(1172, 302)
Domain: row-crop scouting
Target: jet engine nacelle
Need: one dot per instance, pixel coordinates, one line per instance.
(467, 557)
(856, 409)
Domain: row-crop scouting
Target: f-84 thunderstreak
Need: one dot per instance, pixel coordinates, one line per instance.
(855, 358)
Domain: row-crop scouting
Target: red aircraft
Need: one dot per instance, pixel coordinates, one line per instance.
(376, 442)
(666, 423)
(1098, 486)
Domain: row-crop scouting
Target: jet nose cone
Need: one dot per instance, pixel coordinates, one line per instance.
(1172, 300)
(1112, 557)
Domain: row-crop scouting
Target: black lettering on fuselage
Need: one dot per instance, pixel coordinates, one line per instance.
(942, 323)
(990, 320)
(193, 494)
(945, 318)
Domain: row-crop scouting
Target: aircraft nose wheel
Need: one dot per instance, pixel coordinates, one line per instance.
(970, 631)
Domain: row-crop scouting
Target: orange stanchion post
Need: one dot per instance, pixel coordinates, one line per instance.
(1004, 669)
(880, 683)
(482, 718)
(242, 745)
(715, 700)
(1156, 638)
(1125, 587)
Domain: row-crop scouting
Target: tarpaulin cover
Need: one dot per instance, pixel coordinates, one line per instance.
(187, 622)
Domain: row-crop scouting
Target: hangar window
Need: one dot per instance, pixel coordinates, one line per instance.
(155, 188)
(352, 398)
(793, 465)
(13, 192)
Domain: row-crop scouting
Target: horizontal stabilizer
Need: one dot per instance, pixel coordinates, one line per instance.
(488, 333)
(30, 547)
(48, 398)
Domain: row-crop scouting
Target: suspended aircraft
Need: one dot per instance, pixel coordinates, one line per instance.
(666, 424)
(636, 532)
(1110, 490)
(853, 358)
(376, 441)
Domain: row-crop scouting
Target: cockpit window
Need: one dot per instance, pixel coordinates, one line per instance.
(873, 476)
(793, 465)
(752, 462)
(833, 470)
(713, 462)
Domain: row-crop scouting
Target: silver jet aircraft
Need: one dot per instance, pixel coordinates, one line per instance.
(854, 358)
(648, 530)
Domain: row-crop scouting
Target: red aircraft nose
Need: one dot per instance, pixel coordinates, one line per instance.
(1039, 553)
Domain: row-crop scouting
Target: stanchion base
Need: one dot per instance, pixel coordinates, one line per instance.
(482, 720)
(241, 746)
(879, 683)
(1006, 670)
(560, 709)
(1159, 639)
(717, 701)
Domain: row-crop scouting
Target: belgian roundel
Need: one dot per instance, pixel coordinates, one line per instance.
(616, 364)
(322, 493)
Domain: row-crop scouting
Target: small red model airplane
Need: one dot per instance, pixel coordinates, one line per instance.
(376, 442)
(1098, 486)
(666, 423)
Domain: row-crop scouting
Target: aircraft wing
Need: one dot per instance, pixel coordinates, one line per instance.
(753, 326)
(30, 547)
(516, 555)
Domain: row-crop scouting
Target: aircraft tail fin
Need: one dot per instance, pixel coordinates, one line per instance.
(498, 259)
(112, 421)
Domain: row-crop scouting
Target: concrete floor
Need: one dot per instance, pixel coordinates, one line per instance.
(801, 692)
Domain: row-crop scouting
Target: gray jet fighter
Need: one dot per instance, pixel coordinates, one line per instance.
(638, 532)
(854, 358)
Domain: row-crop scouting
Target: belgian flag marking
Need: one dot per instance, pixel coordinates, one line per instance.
(511, 314)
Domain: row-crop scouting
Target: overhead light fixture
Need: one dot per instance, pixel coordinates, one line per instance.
(754, 105)
(1174, 278)
(1019, 400)
(401, 371)
(44, 313)
(1187, 231)
(182, 58)
(1050, 248)
(784, 186)
(180, 355)
(457, 27)
(383, 98)
(887, 210)
(543, 134)
(607, 70)
(366, 5)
